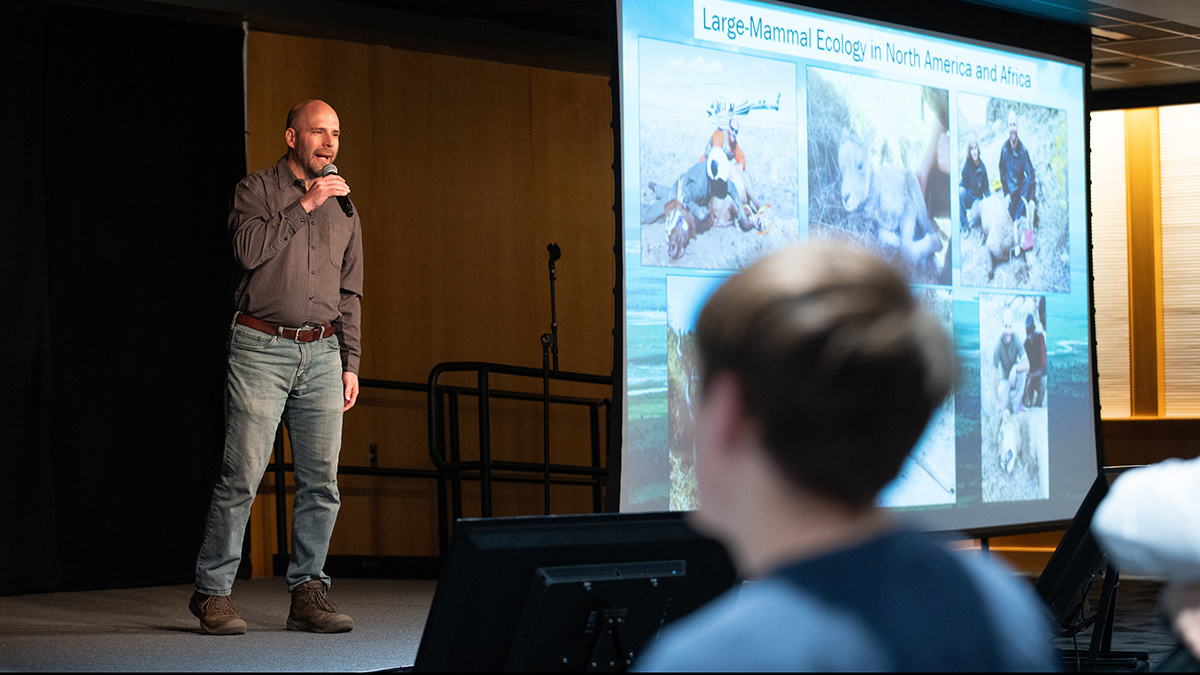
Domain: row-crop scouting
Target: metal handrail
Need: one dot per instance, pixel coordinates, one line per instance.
(485, 465)
(483, 369)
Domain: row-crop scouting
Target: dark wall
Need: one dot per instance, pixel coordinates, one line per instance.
(125, 139)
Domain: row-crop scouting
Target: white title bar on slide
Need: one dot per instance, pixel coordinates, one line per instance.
(911, 55)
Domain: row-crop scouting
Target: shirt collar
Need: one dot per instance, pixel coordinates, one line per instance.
(283, 172)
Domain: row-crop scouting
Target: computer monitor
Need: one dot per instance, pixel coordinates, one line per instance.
(566, 593)
(1077, 561)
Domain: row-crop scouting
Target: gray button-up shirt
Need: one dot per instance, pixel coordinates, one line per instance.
(296, 268)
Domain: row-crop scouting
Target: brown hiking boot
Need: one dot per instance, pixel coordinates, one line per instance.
(216, 614)
(313, 612)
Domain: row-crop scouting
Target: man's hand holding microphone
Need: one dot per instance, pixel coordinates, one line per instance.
(330, 184)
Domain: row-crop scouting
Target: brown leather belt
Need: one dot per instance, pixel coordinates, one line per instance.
(297, 334)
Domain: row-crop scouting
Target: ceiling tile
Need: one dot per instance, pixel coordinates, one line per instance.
(1154, 46)
(1182, 59)
(1124, 14)
(1104, 83)
(1176, 27)
(1134, 30)
(1128, 64)
(1152, 78)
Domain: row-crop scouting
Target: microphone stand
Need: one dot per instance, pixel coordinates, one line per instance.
(549, 346)
(555, 254)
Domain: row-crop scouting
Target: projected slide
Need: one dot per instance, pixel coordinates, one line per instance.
(1013, 365)
(695, 101)
(1018, 233)
(750, 126)
(929, 474)
(873, 177)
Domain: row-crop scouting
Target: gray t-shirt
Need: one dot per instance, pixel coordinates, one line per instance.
(1007, 355)
(901, 602)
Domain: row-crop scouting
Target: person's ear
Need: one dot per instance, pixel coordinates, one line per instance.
(289, 137)
(730, 423)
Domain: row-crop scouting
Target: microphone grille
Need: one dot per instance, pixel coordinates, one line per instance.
(328, 169)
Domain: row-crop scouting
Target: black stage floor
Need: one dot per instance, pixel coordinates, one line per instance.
(150, 629)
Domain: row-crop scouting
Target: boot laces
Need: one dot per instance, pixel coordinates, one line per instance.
(216, 606)
(318, 598)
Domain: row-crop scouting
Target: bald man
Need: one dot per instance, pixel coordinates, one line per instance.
(1011, 366)
(293, 355)
(1016, 173)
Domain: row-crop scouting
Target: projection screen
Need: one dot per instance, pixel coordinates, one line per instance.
(813, 123)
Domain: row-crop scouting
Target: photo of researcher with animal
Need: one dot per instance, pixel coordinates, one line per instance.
(928, 475)
(878, 159)
(718, 156)
(1013, 421)
(1012, 195)
(685, 297)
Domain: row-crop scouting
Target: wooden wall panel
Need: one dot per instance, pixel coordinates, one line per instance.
(1130, 442)
(1145, 262)
(463, 171)
(572, 166)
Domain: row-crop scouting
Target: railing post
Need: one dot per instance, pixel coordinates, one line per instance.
(594, 418)
(546, 410)
(485, 448)
(455, 455)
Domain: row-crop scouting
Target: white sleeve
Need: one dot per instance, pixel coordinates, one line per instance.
(1150, 520)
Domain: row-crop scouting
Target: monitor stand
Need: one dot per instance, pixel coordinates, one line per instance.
(1099, 656)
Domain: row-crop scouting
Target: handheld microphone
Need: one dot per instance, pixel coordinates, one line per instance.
(343, 200)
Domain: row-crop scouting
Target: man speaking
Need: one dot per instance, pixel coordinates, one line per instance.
(293, 355)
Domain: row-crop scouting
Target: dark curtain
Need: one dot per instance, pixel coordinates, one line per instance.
(28, 557)
(125, 139)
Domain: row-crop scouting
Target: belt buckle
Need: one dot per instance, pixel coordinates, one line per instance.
(313, 333)
(295, 333)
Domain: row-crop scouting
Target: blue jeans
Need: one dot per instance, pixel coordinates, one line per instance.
(270, 378)
(969, 207)
(1018, 198)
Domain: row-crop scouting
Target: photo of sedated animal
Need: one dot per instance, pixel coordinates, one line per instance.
(1014, 452)
(891, 199)
(1014, 195)
(877, 156)
(719, 175)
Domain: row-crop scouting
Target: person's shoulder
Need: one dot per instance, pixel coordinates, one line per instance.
(1017, 619)
(1005, 589)
(1020, 618)
(257, 180)
(762, 626)
(267, 182)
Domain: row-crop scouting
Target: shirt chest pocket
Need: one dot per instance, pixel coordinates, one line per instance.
(339, 240)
